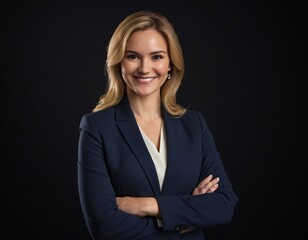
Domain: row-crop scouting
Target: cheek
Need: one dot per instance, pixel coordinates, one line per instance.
(128, 66)
(124, 68)
(162, 68)
(124, 72)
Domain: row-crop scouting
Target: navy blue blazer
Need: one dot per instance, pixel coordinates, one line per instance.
(113, 160)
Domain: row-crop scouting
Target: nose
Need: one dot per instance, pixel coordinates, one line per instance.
(144, 66)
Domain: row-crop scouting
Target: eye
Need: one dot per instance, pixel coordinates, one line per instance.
(157, 57)
(131, 56)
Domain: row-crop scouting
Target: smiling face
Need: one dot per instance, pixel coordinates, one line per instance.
(146, 63)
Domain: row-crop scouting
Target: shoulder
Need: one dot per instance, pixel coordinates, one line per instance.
(192, 115)
(97, 118)
(190, 119)
(195, 120)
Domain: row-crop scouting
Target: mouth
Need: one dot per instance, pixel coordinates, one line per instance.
(144, 80)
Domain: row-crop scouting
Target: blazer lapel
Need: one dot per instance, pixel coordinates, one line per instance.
(129, 129)
(172, 126)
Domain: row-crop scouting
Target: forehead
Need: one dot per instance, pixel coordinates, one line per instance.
(149, 39)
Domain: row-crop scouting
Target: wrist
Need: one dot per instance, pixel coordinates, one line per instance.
(150, 207)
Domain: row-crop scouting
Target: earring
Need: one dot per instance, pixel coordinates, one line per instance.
(169, 75)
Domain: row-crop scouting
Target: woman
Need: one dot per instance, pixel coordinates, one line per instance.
(147, 167)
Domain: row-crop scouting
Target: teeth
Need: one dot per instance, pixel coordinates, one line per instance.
(145, 79)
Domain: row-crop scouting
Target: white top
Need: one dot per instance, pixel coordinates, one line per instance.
(159, 157)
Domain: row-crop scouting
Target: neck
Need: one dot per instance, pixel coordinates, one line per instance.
(146, 107)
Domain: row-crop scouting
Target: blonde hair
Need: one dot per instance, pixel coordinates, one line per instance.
(140, 21)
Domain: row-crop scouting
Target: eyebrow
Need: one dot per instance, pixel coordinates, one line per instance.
(152, 53)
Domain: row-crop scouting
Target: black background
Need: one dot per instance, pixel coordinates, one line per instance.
(244, 72)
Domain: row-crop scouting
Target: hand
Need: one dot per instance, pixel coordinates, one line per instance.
(207, 185)
(147, 206)
(139, 206)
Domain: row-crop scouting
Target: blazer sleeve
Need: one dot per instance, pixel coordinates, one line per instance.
(201, 211)
(98, 201)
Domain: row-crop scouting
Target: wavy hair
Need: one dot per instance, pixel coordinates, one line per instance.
(140, 21)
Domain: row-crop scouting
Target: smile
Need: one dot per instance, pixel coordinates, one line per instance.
(144, 80)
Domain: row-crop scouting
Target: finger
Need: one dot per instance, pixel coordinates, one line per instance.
(206, 185)
(215, 181)
(209, 185)
(213, 188)
(205, 181)
(209, 179)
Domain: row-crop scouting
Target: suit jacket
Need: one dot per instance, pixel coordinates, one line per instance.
(113, 160)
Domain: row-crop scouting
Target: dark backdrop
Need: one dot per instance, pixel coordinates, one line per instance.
(244, 72)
